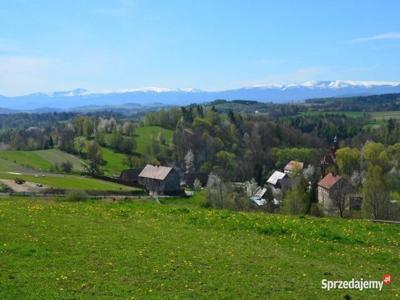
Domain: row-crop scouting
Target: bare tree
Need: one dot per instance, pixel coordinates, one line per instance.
(339, 193)
(189, 160)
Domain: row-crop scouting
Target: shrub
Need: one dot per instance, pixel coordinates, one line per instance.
(66, 166)
(197, 185)
(4, 188)
(316, 210)
(76, 195)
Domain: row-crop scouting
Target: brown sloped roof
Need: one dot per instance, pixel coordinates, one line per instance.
(329, 181)
(155, 172)
(294, 165)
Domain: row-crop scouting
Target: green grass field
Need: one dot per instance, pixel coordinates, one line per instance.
(70, 182)
(385, 115)
(145, 134)
(379, 118)
(99, 250)
(350, 114)
(29, 159)
(115, 162)
(41, 160)
(10, 166)
(56, 156)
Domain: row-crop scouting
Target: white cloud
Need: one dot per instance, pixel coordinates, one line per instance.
(378, 37)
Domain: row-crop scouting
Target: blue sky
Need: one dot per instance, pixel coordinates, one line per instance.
(208, 44)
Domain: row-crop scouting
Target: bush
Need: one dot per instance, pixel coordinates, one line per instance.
(295, 201)
(197, 185)
(4, 188)
(316, 210)
(76, 195)
(66, 166)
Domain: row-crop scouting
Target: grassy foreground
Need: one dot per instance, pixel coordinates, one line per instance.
(63, 250)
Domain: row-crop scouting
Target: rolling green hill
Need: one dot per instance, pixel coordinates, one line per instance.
(69, 182)
(146, 133)
(29, 159)
(10, 166)
(45, 160)
(41, 160)
(98, 250)
(115, 162)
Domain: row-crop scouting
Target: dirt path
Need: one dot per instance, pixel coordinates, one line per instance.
(27, 187)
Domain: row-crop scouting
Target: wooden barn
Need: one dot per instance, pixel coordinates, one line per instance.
(160, 180)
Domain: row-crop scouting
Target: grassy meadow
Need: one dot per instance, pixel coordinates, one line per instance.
(135, 250)
(70, 182)
(115, 162)
(41, 160)
(146, 133)
(45, 160)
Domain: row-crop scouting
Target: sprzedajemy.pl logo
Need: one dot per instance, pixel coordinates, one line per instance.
(356, 284)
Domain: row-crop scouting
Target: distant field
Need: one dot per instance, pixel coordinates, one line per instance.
(385, 115)
(351, 114)
(97, 250)
(10, 166)
(27, 158)
(377, 115)
(42, 160)
(70, 182)
(378, 118)
(56, 156)
(146, 133)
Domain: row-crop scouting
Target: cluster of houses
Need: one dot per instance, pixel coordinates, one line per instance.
(279, 183)
(159, 180)
(332, 190)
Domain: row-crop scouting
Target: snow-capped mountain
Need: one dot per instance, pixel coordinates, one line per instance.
(278, 93)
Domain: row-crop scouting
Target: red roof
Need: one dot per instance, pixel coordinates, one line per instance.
(329, 181)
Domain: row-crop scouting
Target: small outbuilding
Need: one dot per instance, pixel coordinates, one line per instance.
(279, 180)
(279, 183)
(130, 176)
(160, 180)
(293, 166)
(190, 177)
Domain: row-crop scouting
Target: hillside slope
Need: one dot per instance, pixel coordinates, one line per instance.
(144, 250)
(41, 160)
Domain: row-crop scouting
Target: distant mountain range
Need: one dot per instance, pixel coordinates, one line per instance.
(84, 100)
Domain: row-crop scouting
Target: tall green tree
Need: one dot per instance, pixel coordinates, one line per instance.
(348, 160)
(94, 157)
(376, 202)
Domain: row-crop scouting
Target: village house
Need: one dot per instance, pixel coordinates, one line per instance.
(331, 189)
(160, 180)
(293, 166)
(257, 197)
(279, 183)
